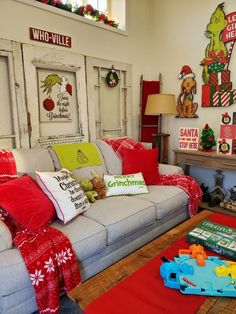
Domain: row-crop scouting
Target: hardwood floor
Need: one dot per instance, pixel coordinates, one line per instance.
(100, 283)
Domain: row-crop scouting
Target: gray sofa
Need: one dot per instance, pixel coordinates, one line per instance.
(111, 229)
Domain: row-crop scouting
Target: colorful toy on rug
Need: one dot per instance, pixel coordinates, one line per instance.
(202, 274)
(98, 185)
(87, 186)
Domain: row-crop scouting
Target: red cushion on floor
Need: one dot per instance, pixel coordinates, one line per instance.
(23, 199)
(144, 161)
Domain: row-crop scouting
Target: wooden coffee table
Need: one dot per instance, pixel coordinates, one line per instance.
(105, 280)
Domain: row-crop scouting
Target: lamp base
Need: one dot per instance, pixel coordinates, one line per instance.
(161, 141)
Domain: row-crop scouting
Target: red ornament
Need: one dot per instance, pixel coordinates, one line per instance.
(69, 89)
(102, 17)
(48, 104)
(89, 9)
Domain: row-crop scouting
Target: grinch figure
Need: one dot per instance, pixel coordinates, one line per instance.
(207, 138)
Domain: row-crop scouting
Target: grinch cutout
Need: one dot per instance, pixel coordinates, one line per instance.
(57, 105)
(185, 106)
(217, 89)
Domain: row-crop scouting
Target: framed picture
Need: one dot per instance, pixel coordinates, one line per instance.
(188, 138)
(56, 98)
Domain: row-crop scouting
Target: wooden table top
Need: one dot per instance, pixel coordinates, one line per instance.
(105, 280)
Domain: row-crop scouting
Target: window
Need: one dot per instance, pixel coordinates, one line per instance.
(109, 12)
(100, 5)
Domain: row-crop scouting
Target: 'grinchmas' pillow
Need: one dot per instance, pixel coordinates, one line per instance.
(130, 184)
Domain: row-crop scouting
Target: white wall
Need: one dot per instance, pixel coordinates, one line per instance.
(135, 49)
(179, 40)
(162, 37)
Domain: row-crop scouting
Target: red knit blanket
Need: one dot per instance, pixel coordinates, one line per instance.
(7, 166)
(48, 254)
(51, 263)
(189, 185)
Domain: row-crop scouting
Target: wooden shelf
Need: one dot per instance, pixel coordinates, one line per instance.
(204, 205)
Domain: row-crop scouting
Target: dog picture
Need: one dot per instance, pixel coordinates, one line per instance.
(186, 108)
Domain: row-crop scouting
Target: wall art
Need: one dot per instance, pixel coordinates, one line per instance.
(186, 107)
(217, 90)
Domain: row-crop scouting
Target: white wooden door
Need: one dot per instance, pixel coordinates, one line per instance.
(109, 107)
(56, 93)
(13, 117)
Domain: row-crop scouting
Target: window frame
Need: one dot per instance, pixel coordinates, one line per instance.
(76, 17)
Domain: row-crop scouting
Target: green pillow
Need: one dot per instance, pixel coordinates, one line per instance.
(129, 184)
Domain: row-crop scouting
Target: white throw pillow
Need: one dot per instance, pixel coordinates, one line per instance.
(129, 184)
(65, 193)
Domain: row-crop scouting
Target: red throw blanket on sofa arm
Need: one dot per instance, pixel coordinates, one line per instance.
(48, 254)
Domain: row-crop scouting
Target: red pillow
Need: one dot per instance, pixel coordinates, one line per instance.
(145, 161)
(27, 204)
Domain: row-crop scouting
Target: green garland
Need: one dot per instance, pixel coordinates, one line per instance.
(86, 11)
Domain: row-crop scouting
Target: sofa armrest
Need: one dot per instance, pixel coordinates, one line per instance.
(5, 237)
(170, 169)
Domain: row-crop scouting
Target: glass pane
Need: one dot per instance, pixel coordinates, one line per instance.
(102, 5)
(6, 123)
(93, 3)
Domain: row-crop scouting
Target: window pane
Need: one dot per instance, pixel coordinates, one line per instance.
(93, 3)
(102, 5)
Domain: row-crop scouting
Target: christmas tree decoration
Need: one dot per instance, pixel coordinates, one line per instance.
(112, 78)
(207, 140)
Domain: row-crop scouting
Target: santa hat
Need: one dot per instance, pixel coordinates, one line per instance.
(185, 72)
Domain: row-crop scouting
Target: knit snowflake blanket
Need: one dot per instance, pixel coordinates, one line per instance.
(51, 263)
(7, 166)
(48, 254)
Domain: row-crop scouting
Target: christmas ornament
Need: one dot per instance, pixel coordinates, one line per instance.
(224, 147)
(226, 119)
(112, 78)
(207, 140)
(48, 104)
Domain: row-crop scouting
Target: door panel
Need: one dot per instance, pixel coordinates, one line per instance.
(13, 126)
(56, 93)
(109, 107)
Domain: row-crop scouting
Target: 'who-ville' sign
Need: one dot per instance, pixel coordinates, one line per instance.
(49, 37)
(188, 138)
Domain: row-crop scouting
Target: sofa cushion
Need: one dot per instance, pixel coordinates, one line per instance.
(165, 198)
(113, 162)
(23, 199)
(144, 161)
(122, 215)
(77, 155)
(86, 236)
(5, 237)
(129, 184)
(84, 171)
(29, 160)
(65, 193)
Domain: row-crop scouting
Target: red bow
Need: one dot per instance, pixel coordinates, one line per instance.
(213, 56)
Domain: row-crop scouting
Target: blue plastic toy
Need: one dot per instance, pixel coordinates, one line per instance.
(216, 278)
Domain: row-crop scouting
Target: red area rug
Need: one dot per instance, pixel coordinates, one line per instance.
(143, 292)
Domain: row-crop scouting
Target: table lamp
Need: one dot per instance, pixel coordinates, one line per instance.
(159, 105)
